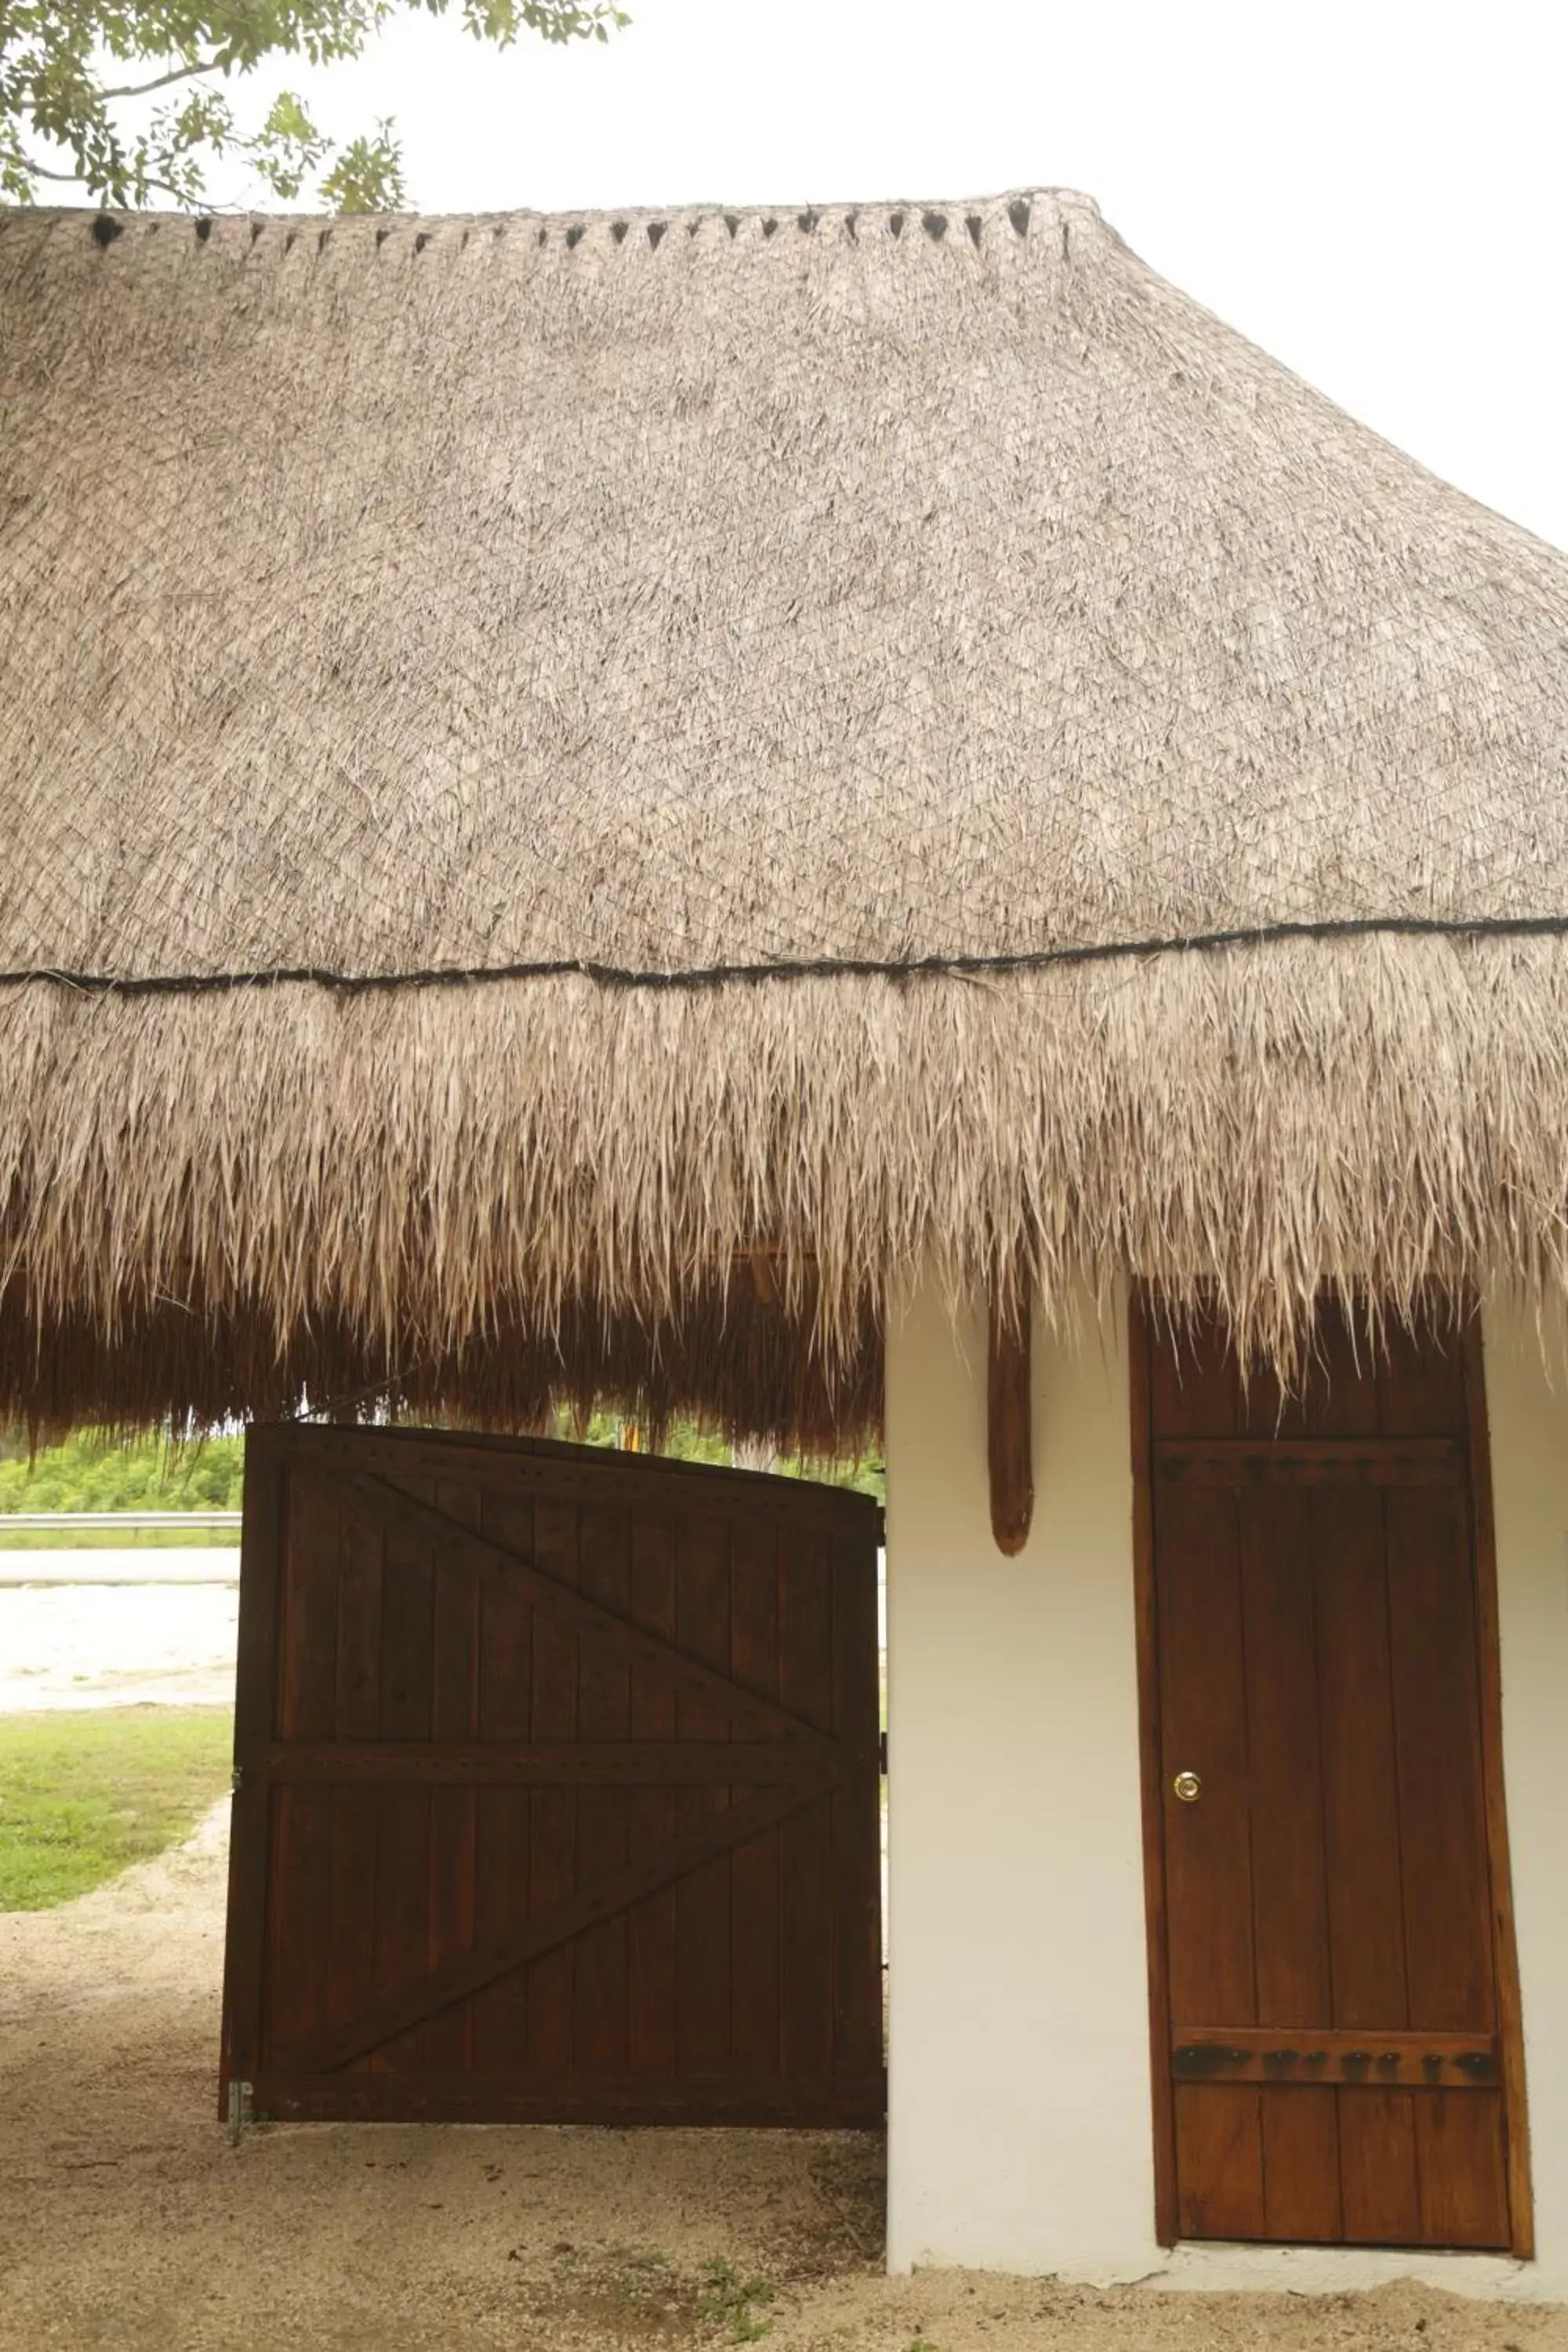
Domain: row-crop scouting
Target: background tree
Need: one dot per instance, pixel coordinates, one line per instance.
(134, 99)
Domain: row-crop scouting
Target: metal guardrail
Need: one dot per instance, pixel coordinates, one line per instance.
(73, 1522)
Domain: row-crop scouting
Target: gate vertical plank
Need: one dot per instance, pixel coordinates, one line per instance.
(754, 1869)
(806, 1864)
(702, 1899)
(350, 1934)
(604, 1712)
(246, 1943)
(552, 1862)
(654, 1813)
(402, 1842)
(857, 1810)
(498, 2034)
(301, 1858)
(456, 1624)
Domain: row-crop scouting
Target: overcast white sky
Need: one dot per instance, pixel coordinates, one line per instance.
(1374, 190)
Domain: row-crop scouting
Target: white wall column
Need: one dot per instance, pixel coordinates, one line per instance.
(1019, 2131)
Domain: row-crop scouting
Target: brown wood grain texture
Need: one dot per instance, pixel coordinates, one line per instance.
(754, 1910)
(553, 1848)
(855, 1808)
(503, 1826)
(727, 2099)
(710, 1835)
(254, 1720)
(555, 1592)
(652, 1923)
(1009, 1417)
(704, 1906)
(600, 1998)
(529, 1842)
(1317, 1641)
(806, 1862)
(1337, 1462)
(453, 1819)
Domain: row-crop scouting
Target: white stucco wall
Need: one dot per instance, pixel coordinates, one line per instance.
(1020, 2130)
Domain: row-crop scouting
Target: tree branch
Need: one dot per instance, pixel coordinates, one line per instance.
(180, 73)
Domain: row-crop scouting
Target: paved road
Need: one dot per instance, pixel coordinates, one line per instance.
(118, 1644)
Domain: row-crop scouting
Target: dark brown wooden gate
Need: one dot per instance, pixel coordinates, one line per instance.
(1338, 2055)
(558, 1791)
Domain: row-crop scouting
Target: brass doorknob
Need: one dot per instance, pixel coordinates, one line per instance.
(1188, 1787)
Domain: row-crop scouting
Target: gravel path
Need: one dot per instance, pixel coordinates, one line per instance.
(127, 2222)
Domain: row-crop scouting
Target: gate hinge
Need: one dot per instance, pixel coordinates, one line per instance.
(236, 1778)
(239, 2113)
(882, 1752)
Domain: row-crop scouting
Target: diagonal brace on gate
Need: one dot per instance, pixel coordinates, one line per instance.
(400, 1513)
(419, 1998)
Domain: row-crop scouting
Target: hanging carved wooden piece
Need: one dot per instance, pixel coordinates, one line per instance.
(1008, 1412)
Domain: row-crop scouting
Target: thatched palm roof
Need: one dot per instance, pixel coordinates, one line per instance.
(767, 603)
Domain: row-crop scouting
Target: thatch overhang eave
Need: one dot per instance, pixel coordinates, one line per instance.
(580, 1174)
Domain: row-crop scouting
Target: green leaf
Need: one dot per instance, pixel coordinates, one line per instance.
(72, 75)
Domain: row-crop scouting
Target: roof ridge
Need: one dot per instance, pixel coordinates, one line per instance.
(1027, 210)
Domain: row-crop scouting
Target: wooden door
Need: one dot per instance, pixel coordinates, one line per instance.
(558, 1788)
(1337, 2054)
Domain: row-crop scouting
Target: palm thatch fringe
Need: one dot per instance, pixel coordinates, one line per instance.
(216, 1202)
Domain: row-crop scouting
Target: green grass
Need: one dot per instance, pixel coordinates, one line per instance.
(84, 1793)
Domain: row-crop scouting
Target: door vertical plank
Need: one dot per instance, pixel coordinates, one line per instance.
(1202, 1711)
(1360, 1829)
(1295, 1986)
(497, 2037)
(1302, 2204)
(655, 1816)
(1377, 2147)
(755, 2035)
(604, 1712)
(1436, 1713)
(1377, 2165)
(1219, 2160)
(1463, 2167)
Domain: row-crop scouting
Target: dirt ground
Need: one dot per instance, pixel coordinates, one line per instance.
(127, 2222)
